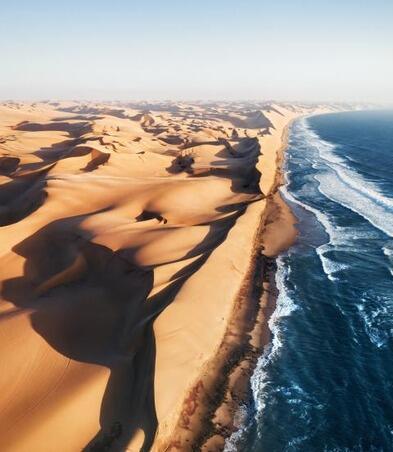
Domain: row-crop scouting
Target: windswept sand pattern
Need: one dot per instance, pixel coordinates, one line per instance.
(126, 232)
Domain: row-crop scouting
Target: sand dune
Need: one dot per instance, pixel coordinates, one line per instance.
(126, 234)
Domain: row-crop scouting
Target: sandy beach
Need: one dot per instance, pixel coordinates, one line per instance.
(137, 247)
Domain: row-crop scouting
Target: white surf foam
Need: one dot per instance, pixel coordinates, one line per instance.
(333, 187)
(330, 267)
(388, 252)
(376, 313)
(347, 187)
(337, 237)
(321, 217)
(312, 140)
(260, 378)
(284, 308)
(241, 423)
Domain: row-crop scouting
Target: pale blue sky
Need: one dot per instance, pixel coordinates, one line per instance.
(289, 49)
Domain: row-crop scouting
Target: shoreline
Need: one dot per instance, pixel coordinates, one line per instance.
(175, 246)
(211, 405)
(208, 415)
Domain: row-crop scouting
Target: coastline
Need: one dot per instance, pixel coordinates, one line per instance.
(209, 412)
(212, 221)
(332, 223)
(208, 415)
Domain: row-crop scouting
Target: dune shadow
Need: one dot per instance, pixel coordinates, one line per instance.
(89, 304)
(98, 158)
(73, 129)
(8, 164)
(237, 164)
(22, 195)
(94, 305)
(57, 151)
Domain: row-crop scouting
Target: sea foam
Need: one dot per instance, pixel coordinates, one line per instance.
(348, 188)
(260, 377)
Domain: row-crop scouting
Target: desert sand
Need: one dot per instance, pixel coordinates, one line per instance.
(135, 264)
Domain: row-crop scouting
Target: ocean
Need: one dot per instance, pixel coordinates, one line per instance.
(325, 383)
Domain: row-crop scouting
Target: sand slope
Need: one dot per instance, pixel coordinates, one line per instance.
(126, 232)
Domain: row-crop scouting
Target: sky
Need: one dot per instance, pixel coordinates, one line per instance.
(337, 50)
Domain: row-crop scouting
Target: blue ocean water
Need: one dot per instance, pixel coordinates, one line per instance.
(326, 381)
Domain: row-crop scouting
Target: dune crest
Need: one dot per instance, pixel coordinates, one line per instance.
(126, 234)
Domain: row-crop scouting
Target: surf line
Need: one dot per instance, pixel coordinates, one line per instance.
(208, 415)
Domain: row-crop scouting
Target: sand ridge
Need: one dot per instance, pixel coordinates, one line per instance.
(126, 231)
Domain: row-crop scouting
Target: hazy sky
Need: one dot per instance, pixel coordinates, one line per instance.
(282, 49)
